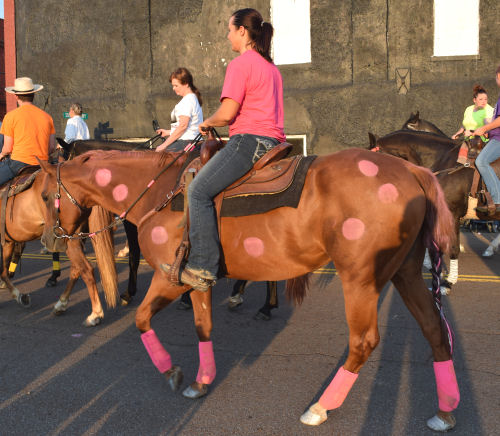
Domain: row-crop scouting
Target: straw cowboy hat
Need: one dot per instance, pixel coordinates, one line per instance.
(22, 86)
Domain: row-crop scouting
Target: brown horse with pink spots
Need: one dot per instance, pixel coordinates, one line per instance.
(373, 215)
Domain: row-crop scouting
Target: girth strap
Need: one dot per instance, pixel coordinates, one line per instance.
(5, 196)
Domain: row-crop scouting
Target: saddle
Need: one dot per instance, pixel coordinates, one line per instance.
(21, 182)
(272, 175)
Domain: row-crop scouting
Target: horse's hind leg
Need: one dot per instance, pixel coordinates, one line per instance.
(271, 303)
(413, 290)
(236, 298)
(361, 312)
(16, 257)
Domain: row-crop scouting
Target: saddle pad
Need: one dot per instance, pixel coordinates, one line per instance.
(253, 203)
(22, 183)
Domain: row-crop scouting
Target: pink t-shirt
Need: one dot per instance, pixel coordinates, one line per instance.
(257, 86)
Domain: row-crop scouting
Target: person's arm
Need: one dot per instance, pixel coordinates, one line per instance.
(52, 143)
(223, 116)
(487, 127)
(177, 133)
(8, 142)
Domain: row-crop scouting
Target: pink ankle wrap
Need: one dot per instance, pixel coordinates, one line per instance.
(338, 389)
(447, 387)
(158, 354)
(206, 371)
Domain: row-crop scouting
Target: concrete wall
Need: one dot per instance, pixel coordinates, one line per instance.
(115, 57)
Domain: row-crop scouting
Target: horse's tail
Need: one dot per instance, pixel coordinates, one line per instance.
(104, 251)
(438, 233)
(296, 288)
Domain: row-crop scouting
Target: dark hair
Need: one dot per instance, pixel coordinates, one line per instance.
(498, 70)
(478, 89)
(260, 31)
(184, 76)
(26, 97)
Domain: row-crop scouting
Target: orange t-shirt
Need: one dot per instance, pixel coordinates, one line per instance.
(30, 127)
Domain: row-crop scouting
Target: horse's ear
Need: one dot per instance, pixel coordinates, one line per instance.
(46, 167)
(373, 140)
(417, 115)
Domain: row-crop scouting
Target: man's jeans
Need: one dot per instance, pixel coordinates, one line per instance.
(9, 169)
(227, 166)
(489, 154)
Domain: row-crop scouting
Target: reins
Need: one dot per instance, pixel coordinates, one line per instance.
(59, 232)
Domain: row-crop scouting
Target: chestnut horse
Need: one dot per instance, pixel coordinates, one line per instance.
(438, 153)
(25, 215)
(369, 213)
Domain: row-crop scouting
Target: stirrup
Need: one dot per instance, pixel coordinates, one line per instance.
(188, 278)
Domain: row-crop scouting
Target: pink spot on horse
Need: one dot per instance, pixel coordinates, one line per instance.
(159, 235)
(254, 246)
(353, 229)
(368, 168)
(388, 193)
(103, 177)
(120, 192)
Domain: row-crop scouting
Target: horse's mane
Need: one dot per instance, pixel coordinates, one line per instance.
(160, 159)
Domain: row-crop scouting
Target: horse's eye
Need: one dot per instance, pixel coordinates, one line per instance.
(45, 197)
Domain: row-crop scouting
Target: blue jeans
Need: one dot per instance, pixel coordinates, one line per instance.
(227, 166)
(489, 154)
(9, 169)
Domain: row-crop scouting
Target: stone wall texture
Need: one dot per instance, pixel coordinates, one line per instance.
(115, 57)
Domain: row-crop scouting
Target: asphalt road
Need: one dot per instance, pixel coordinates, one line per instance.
(59, 378)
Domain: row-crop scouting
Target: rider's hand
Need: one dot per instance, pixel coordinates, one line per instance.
(163, 132)
(204, 128)
(480, 131)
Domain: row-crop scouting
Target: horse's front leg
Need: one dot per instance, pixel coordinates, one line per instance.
(22, 299)
(160, 294)
(80, 266)
(271, 303)
(134, 256)
(202, 311)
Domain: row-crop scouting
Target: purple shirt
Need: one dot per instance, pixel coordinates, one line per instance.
(495, 133)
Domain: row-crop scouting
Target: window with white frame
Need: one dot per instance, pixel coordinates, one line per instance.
(456, 27)
(292, 31)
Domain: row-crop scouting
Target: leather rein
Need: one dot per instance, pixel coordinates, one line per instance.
(60, 233)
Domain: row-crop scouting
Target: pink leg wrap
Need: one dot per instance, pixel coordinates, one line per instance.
(206, 371)
(338, 389)
(155, 349)
(447, 387)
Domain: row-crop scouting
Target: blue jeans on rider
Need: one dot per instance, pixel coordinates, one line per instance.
(489, 154)
(9, 169)
(228, 165)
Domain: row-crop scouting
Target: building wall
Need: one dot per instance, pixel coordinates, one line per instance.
(3, 103)
(116, 61)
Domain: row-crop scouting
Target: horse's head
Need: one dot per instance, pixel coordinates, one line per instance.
(64, 212)
(475, 145)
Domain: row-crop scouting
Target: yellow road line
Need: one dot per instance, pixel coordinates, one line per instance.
(333, 271)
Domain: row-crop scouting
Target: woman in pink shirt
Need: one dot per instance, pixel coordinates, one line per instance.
(252, 106)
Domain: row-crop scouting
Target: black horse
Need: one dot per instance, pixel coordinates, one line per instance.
(418, 124)
(440, 154)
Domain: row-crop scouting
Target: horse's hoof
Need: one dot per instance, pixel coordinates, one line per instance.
(125, 300)
(445, 290)
(92, 322)
(174, 377)
(234, 302)
(193, 392)
(3, 285)
(488, 252)
(24, 300)
(437, 423)
(261, 316)
(315, 415)
(51, 282)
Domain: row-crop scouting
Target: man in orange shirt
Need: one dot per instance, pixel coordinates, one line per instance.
(28, 131)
